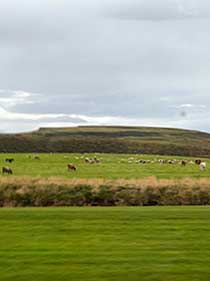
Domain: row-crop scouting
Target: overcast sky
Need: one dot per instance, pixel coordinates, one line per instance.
(105, 62)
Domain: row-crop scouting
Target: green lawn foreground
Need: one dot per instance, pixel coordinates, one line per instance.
(97, 244)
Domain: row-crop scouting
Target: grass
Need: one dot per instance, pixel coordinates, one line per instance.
(105, 244)
(113, 166)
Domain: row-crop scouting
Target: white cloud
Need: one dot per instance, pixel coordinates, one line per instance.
(15, 122)
(13, 116)
(187, 8)
(187, 105)
(190, 106)
(12, 98)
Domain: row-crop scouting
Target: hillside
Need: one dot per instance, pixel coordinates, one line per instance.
(144, 140)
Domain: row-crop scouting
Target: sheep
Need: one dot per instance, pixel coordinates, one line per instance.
(202, 166)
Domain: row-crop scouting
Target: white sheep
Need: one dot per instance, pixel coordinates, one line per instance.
(202, 166)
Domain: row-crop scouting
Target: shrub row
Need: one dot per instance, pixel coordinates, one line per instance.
(39, 192)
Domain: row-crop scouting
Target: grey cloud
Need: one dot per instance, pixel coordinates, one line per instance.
(81, 59)
(161, 10)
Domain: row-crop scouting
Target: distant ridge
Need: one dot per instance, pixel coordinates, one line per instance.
(110, 139)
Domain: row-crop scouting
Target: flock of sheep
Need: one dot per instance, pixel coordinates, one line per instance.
(132, 160)
(202, 165)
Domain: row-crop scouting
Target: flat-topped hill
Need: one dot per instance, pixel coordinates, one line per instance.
(109, 139)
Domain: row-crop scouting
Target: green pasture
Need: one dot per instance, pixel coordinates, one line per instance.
(105, 244)
(113, 166)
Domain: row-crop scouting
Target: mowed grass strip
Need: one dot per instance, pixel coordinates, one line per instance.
(112, 166)
(98, 244)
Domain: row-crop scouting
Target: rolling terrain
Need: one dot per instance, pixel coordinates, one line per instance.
(143, 140)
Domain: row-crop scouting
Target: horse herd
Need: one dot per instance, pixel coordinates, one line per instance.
(8, 170)
(70, 167)
(94, 160)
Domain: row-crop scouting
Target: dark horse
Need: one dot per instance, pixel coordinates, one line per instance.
(7, 170)
(9, 160)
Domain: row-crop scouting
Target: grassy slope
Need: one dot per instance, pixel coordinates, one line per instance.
(139, 134)
(98, 244)
(110, 139)
(114, 166)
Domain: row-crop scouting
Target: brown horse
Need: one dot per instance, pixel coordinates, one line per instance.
(71, 167)
(7, 170)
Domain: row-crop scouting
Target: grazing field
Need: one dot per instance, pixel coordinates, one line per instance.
(106, 244)
(112, 166)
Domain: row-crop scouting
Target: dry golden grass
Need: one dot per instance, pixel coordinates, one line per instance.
(54, 191)
(146, 182)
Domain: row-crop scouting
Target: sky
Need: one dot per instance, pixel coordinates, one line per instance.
(104, 62)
